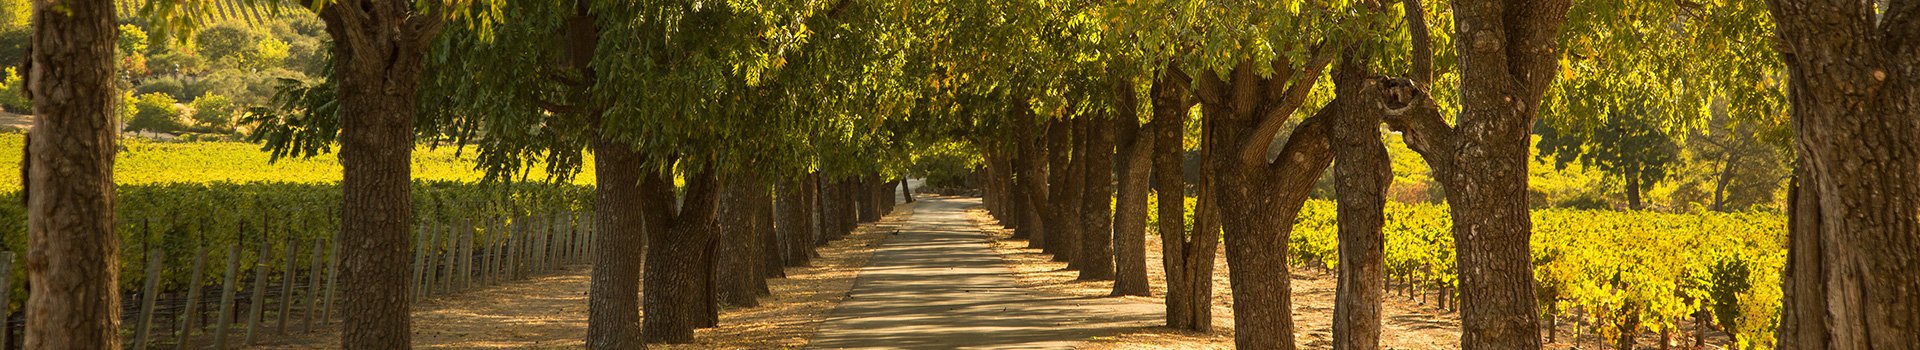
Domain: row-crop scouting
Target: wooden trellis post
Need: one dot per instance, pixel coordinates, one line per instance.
(156, 259)
(228, 291)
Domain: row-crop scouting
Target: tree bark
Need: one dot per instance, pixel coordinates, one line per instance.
(1854, 87)
(1071, 181)
(73, 246)
(993, 174)
(796, 222)
(1030, 185)
(1259, 199)
(867, 188)
(906, 191)
(736, 267)
(849, 192)
(378, 50)
(1726, 176)
(770, 250)
(1188, 258)
(613, 299)
(1363, 169)
(678, 271)
(815, 212)
(832, 210)
(1509, 54)
(1096, 213)
(1130, 205)
(1633, 190)
(1054, 204)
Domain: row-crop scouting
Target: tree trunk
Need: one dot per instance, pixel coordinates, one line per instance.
(1258, 199)
(1130, 205)
(809, 188)
(1187, 258)
(906, 191)
(849, 192)
(1362, 167)
(832, 210)
(868, 190)
(1633, 191)
(1030, 187)
(613, 300)
(796, 222)
(679, 265)
(1854, 87)
(1067, 202)
(1096, 213)
(73, 244)
(1720, 185)
(993, 174)
(1059, 153)
(1506, 66)
(378, 51)
(736, 267)
(770, 250)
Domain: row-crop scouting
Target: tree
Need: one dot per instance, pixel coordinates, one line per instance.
(155, 113)
(224, 42)
(1135, 145)
(73, 245)
(1187, 254)
(1508, 53)
(1096, 215)
(379, 48)
(1629, 146)
(1360, 162)
(1850, 280)
(213, 110)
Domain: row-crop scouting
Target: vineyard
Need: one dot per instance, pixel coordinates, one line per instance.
(182, 205)
(1627, 271)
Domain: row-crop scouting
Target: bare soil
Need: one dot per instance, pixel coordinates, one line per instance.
(549, 312)
(1412, 320)
(1408, 324)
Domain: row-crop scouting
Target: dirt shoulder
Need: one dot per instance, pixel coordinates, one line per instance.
(550, 312)
(1407, 322)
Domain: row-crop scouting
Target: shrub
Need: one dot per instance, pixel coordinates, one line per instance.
(176, 62)
(213, 111)
(13, 93)
(1585, 202)
(155, 112)
(171, 86)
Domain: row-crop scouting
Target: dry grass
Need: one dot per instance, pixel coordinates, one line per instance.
(549, 312)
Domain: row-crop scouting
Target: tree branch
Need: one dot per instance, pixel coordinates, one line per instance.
(555, 107)
(1421, 53)
(1309, 149)
(1411, 111)
(1255, 148)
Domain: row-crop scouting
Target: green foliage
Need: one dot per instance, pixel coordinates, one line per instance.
(214, 111)
(177, 62)
(1585, 201)
(155, 112)
(132, 41)
(169, 86)
(225, 42)
(1626, 145)
(16, 32)
(13, 93)
(946, 164)
(1658, 268)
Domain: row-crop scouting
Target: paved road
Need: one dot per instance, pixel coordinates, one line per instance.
(937, 285)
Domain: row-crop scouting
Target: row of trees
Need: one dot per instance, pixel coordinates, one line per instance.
(1057, 143)
(685, 99)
